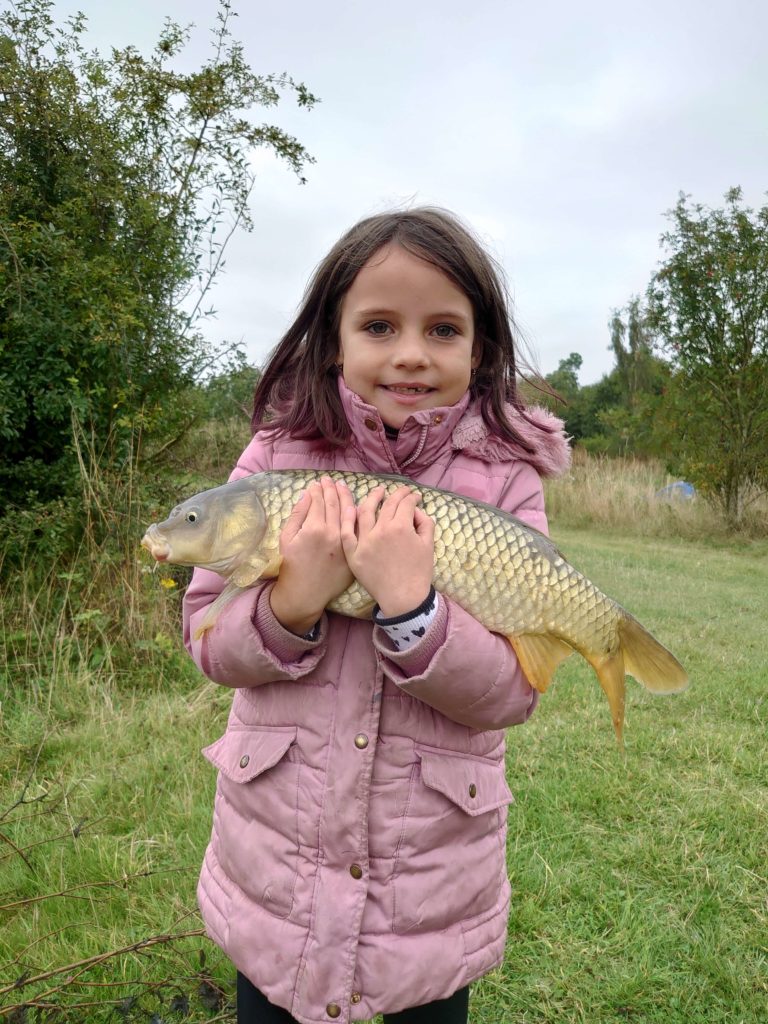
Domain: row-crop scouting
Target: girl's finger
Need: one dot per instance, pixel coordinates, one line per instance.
(403, 510)
(331, 501)
(347, 509)
(348, 521)
(347, 533)
(366, 510)
(297, 518)
(389, 508)
(425, 525)
(316, 511)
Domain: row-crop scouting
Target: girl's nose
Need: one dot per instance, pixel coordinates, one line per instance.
(411, 350)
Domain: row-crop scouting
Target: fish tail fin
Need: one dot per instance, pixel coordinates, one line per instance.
(214, 609)
(648, 660)
(539, 655)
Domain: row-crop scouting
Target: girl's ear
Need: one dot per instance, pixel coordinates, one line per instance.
(477, 355)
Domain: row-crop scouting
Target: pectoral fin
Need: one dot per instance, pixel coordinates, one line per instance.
(257, 568)
(228, 594)
(539, 655)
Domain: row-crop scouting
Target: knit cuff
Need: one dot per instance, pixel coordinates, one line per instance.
(287, 647)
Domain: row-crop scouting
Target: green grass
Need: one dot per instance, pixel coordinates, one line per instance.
(639, 878)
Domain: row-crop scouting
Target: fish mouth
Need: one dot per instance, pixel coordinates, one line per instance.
(159, 550)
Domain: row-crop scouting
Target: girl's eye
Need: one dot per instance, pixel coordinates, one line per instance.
(191, 517)
(378, 328)
(445, 331)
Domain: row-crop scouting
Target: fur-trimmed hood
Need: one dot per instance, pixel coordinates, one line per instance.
(540, 429)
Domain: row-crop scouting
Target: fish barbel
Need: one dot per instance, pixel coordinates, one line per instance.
(506, 574)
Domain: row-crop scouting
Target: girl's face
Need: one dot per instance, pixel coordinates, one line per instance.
(407, 336)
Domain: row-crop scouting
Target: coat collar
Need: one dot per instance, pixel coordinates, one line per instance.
(421, 439)
(460, 427)
(541, 431)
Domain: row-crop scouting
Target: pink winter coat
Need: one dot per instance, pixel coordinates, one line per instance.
(357, 860)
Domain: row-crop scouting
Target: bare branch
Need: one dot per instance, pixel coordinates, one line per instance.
(112, 883)
(81, 965)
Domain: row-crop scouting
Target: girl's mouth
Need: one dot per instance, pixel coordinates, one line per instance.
(408, 389)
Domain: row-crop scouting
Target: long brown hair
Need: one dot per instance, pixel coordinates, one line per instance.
(298, 392)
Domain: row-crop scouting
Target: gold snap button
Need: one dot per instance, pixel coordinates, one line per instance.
(472, 789)
(356, 871)
(361, 741)
(244, 761)
(355, 997)
(437, 420)
(333, 1010)
(371, 424)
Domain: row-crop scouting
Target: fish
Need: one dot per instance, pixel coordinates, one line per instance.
(508, 575)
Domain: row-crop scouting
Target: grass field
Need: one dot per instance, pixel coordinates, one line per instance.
(640, 878)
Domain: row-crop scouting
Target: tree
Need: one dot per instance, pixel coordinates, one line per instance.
(565, 379)
(121, 181)
(584, 405)
(639, 379)
(709, 305)
(632, 344)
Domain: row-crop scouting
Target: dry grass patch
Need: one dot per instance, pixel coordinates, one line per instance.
(623, 494)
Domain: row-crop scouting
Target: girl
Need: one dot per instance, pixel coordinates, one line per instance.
(357, 862)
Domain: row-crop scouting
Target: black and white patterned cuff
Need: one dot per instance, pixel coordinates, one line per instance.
(406, 630)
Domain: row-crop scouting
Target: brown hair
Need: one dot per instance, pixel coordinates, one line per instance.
(298, 394)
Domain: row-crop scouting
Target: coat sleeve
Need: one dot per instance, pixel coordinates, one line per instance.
(246, 646)
(460, 668)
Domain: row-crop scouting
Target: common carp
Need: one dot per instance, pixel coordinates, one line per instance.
(506, 574)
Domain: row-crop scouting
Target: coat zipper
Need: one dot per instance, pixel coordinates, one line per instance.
(418, 449)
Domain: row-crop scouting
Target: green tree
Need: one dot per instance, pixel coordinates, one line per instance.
(584, 405)
(121, 180)
(576, 410)
(565, 379)
(709, 305)
(639, 379)
(632, 344)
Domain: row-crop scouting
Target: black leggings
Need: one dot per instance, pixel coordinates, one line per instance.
(255, 1008)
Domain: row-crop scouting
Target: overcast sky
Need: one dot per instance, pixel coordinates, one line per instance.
(561, 132)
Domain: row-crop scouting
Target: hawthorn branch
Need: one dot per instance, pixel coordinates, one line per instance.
(112, 882)
(79, 966)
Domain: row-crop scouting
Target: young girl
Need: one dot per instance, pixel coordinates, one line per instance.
(357, 862)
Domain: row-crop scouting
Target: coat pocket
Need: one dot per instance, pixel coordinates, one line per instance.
(255, 825)
(451, 860)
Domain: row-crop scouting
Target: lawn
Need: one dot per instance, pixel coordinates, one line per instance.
(639, 877)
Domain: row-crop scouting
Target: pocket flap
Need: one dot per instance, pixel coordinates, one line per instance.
(243, 753)
(474, 785)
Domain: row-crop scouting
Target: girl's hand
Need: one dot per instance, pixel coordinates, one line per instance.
(392, 554)
(313, 570)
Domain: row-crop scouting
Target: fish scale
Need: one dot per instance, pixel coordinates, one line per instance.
(496, 590)
(502, 571)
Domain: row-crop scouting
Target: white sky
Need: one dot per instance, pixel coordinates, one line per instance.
(561, 132)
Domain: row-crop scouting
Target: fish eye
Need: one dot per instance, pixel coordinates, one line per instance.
(191, 517)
